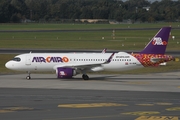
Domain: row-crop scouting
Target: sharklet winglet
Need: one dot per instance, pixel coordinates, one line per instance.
(104, 50)
(109, 59)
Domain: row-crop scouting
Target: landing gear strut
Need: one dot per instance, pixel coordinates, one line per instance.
(28, 77)
(85, 77)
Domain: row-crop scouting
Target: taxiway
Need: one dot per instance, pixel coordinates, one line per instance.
(104, 97)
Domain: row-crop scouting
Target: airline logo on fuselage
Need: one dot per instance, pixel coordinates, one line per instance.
(158, 41)
(50, 59)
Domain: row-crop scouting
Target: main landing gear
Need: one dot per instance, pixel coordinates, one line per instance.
(85, 77)
(28, 77)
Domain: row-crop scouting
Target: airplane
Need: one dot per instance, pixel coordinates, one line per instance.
(68, 65)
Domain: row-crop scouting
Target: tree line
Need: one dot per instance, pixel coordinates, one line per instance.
(56, 10)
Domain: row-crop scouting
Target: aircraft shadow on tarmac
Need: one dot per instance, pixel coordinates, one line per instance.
(99, 78)
(110, 78)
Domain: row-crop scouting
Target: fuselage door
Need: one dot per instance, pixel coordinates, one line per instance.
(28, 59)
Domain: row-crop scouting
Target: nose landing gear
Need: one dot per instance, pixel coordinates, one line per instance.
(28, 77)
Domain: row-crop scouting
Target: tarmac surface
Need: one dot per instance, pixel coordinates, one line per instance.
(103, 97)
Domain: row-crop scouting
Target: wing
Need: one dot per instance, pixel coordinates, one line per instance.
(83, 66)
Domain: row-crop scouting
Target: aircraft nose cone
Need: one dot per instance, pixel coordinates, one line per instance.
(8, 65)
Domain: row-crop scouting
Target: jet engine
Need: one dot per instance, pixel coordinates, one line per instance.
(63, 72)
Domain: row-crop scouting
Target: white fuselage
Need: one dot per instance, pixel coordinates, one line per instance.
(50, 61)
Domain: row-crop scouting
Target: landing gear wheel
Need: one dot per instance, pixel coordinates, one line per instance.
(85, 77)
(28, 77)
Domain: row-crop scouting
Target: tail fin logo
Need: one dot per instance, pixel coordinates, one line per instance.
(158, 41)
(62, 73)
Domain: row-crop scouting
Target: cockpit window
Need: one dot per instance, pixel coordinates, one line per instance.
(16, 59)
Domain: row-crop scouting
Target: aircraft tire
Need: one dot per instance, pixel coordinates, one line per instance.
(85, 77)
(28, 77)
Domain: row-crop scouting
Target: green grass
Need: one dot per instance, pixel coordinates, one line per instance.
(132, 40)
(3, 59)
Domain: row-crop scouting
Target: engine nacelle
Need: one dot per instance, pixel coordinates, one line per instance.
(63, 72)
